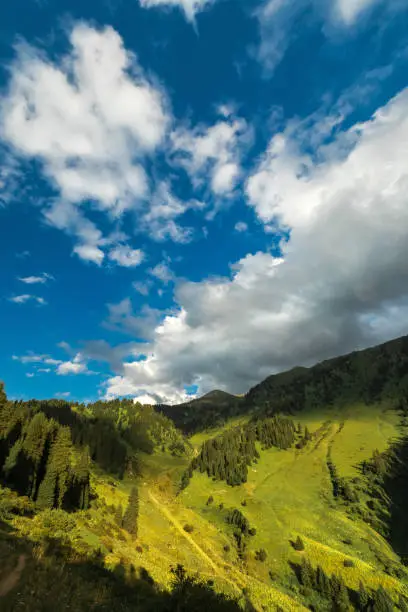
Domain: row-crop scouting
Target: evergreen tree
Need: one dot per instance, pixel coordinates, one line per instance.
(299, 545)
(382, 602)
(402, 604)
(307, 575)
(363, 597)
(47, 490)
(130, 518)
(340, 596)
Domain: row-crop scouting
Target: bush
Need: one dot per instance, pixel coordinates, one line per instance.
(348, 563)
(221, 506)
(244, 503)
(252, 531)
(261, 555)
(188, 528)
(298, 544)
(227, 547)
(209, 500)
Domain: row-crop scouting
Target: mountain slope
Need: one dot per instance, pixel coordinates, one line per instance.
(296, 501)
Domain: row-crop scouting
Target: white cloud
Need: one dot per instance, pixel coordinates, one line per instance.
(162, 272)
(24, 298)
(125, 256)
(160, 220)
(31, 357)
(32, 280)
(280, 22)
(142, 287)
(44, 370)
(241, 226)
(90, 252)
(190, 7)
(63, 394)
(349, 10)
(76, 366)
(212, 151)
(91, 120)
(30, 375)
(341, 284)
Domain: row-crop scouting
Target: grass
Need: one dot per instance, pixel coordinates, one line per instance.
(366, 428)
(288, 493)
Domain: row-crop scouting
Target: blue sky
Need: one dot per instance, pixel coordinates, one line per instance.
(195, 194)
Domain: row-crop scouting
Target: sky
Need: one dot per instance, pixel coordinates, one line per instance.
(196, 194)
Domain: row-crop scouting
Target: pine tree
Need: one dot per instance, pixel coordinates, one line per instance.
(47, 491)
(340, 596)
(299, 545)
(382, 602)
(363, 597)
(307, 576)
(130, 518)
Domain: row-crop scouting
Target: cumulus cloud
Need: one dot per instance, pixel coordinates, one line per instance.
(190, 7)
(25, 297)
(90, 119)
(341, 276)
(125, 256)
(75, 366)
(32, 280)
(212, 152)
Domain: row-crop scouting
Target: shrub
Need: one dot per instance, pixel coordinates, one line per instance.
(298, 544)
(348, 563)
(209, 500)
(244, 503)
(261, 555)
(188, 528)
(252, 531)
(227, 547)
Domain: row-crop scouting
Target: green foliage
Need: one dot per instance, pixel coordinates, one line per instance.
(119, 515)
(131, 516)
(382, 602)
(227, 457)
(298, 544)
(261, 555)
(188, 528)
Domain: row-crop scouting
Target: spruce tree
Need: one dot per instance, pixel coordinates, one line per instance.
(363, 597)
(382, 602)
(130, 518)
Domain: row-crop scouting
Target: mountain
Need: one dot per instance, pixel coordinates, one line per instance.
(210, 409)
(291, 498)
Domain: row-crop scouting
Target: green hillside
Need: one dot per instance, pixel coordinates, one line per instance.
(291, 498)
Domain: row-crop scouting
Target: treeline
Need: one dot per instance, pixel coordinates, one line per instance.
(114, 431)
(372, 375)
(318, 586)
(227, 457)
(241, 529)
(39, 460)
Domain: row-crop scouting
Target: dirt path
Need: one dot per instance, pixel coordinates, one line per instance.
(241, 580)
(9, 582)
(193, 543)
